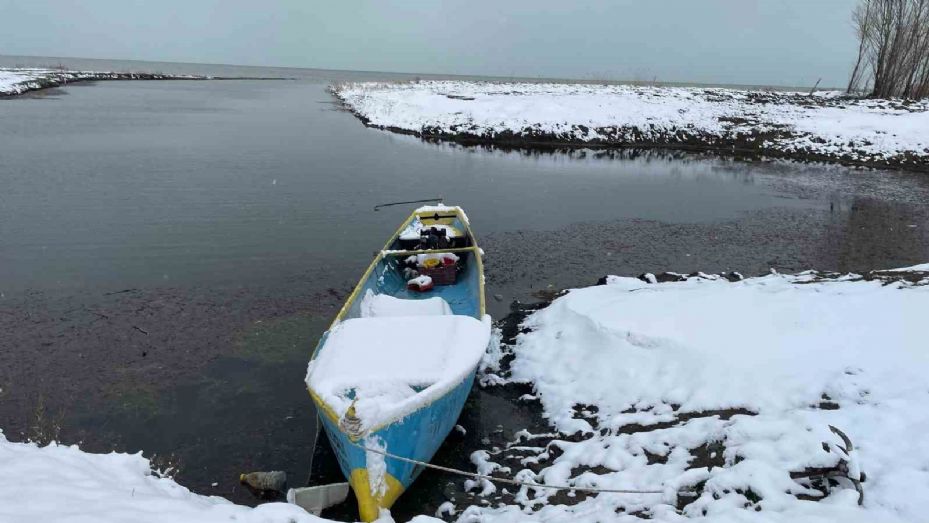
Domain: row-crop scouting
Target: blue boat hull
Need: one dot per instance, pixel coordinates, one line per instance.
(417, 436)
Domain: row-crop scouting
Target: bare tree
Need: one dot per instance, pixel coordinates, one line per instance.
(893, 48)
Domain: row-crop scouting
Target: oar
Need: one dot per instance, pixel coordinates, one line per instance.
(378, 207)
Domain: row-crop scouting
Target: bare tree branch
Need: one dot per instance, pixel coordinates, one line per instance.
(893, 48)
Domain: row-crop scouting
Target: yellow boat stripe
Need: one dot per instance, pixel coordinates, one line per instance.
(370, 505)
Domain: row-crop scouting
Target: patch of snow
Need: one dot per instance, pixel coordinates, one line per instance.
(740, 369)
(10, 80)
(422, 282)
(731, 325)
(414, 230)
(442, 208)
(824, 124)
(491, 360)
(376, 464)
(63, 483)
(14, 81)
(20, 80)
(420, 259)
(481, 460)
(445, 508)
(914, 268)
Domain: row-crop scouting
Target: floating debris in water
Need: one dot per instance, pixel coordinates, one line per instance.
(275, 480)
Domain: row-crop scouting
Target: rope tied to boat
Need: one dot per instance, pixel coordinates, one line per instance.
(351, 423)
(510, 481)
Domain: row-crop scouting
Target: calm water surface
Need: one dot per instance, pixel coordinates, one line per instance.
(138, 183)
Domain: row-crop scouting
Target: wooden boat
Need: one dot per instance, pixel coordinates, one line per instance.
(393, 371)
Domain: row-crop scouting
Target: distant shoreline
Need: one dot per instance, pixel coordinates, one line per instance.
(15, 82)
(822, 127)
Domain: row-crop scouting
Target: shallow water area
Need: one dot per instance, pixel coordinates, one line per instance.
(170, 251)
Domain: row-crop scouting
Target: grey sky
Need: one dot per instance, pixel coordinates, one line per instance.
(768, 42)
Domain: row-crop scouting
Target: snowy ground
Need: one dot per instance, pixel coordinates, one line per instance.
(20, 80)
(716, 392)
(58, 483)
(822, 126)
(727, 389)
(17, 81)
(62, 483)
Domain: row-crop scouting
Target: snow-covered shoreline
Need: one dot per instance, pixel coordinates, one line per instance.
(63, 483)
(18, 81)
(726, 386)
(825, 126)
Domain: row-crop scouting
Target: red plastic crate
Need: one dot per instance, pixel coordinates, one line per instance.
(441, 275)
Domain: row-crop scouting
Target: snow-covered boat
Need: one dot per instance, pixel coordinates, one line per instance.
(392, 373)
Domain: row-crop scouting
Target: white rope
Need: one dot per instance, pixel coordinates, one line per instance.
(504, 480)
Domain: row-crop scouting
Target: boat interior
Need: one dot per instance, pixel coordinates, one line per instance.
(438, 245)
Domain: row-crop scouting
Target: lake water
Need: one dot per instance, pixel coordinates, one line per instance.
(137, 183)
(247, 206)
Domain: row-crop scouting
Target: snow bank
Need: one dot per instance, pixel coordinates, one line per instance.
(20, 80)
(763, 343)
(730, 389)
(62, 483)
(825, 124)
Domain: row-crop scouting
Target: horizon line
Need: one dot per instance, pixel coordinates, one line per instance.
(553, 79)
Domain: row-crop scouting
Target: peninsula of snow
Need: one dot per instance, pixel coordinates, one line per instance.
(825, 126)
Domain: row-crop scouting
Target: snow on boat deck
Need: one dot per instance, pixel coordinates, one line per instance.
(390, 366)
(383, 305)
